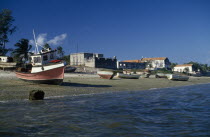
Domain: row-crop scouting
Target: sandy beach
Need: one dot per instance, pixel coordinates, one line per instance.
(12, 88)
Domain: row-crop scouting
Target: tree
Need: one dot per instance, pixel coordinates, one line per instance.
(22, 50)
(173, 65)
(203, 68)
(60, 51)
(66, 59)
(46, 46)
(186, 70)
(6, 28)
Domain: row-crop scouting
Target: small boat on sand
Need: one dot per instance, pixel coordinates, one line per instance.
(178, 77)
(128, 76)
(162, 75)
(69, 69)
(106, 74)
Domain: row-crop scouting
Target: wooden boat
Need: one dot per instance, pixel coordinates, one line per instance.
(7, 65)
(162, 75)
(128, 76)
(46, 71)
(178, 77)
(43, 68)
(69, 69)
(106, 74)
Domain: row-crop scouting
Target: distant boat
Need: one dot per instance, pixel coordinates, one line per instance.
(178, 77)
(69, 69)
(128, 76)
(106, 74)
(162, 75)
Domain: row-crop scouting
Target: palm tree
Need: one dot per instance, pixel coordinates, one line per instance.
(60, 51)
(46, 46)
(22, 50)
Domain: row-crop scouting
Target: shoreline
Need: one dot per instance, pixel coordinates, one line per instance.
(12, 88)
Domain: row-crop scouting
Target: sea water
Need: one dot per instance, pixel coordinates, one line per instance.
(183, 111)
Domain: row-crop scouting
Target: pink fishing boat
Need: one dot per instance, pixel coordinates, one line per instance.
(43, 67)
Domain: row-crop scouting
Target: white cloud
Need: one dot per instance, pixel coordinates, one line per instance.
(57, 40)
(42, 39)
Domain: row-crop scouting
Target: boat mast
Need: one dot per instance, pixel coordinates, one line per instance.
(36, 48)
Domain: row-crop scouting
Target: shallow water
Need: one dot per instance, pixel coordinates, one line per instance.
(183, 111)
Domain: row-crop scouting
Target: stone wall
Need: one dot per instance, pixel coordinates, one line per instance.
(108, 63)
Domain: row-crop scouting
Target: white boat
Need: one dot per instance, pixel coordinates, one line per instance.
(128, 76)
(106, 74)
(178, 77)
(162, 75)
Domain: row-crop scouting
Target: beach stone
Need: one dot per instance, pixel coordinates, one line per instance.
(36, 95)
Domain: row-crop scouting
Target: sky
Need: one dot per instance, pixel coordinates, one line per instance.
(127, 29)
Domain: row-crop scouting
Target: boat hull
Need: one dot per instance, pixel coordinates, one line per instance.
(162, 75)
(69, 69)
(53, 76)
(106, 74)
(178, 77)
(50, 81)
(127, 76)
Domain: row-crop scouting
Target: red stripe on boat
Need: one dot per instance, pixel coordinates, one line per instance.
(55, 61)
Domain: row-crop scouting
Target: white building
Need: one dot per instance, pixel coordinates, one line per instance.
(5, 59)
(131, 64)
(82, 59)
(184, 68)
(157, 63)
(93, 60)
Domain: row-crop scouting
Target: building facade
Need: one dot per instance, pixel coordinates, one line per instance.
(156, 63)
(5, 59)
(77, 59)
(184, 68)
(131, 64)
(94, 60)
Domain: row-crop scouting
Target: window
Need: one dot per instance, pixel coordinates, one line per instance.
(37, 60)
(45, 57)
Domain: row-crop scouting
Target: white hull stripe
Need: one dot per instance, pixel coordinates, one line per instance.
(45, 68)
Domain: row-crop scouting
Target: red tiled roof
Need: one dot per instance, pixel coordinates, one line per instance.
(132, 61)
(158, 58)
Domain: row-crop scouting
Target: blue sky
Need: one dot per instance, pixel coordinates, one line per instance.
(128, 29)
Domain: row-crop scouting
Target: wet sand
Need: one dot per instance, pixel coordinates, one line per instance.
(12, 88)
